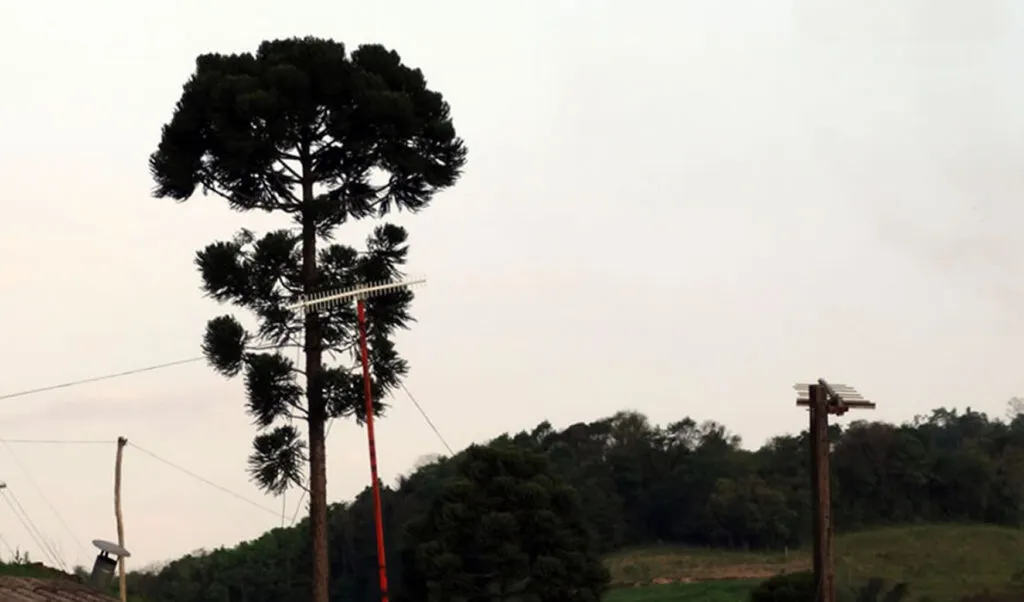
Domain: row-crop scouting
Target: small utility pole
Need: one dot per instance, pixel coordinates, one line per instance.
(121, 442)
(822, 399)
(360, 294)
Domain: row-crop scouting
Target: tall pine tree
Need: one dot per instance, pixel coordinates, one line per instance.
(304, 129)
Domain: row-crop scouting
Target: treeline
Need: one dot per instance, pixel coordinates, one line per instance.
(686, 483)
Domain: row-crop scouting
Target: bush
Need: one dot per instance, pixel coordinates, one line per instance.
(876, 590)
(994, 597)
(788, 587)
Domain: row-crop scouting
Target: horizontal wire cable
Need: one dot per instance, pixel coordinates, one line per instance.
(61, 441)
(415, 402)
(84, 381)
(94, 379)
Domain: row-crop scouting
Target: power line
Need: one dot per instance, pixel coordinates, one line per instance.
(204, 480)
(25, 524)
(33, 530)
(422, 412)
(302, 496)
(46, 500)
(7, 546)
(190, 360)
(94, 379)
(83, 381)
(61, 441)
(284, 505)
(430, 422)
(295, 515)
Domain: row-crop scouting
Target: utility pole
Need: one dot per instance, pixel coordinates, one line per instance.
(360, 294)
(121, 442)
(822, 399)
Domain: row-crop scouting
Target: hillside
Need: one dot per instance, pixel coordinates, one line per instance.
(940, 562)
(685, 485)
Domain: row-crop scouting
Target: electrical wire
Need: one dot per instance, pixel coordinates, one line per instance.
(25, 524)
(42, 536)
(46, 499)
(302, 496)
(423, 413)
(204, 480)
(62, 441)
(430, 422)
(94, 379)
(295, 515)
(298, 506)
(30, 526)
(7, 547)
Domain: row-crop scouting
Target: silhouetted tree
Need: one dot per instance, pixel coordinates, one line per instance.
(304, 129)
(687, 483)
(504, 528)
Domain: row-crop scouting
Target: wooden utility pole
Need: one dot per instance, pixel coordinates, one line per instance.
(121, 442)
(822, 399)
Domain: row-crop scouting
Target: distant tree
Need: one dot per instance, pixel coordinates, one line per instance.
(303, 129)
(748, 512)
(505, 528)
(697, 486)
(1014, 408)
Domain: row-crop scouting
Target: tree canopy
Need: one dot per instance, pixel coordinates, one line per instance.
(306, 129)
(687, 482)
(504, 527)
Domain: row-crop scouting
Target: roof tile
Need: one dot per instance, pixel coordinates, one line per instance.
(27, 589)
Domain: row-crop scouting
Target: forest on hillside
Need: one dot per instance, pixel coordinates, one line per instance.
(687, 482)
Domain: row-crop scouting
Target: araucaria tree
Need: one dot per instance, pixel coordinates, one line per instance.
(304, 129)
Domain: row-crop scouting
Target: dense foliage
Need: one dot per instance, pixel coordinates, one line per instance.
(505, 528)
(686, 482)
(801, 587)
(788, 587)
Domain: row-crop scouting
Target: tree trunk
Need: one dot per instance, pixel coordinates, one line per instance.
(317, 413)
(318, 504)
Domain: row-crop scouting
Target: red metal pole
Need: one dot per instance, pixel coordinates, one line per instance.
(371, 440)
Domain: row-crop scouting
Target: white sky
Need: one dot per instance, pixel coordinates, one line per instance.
(677, 207)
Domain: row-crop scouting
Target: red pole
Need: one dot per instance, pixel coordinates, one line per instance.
(372, 442)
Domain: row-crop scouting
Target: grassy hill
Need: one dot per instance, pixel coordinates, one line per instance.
(941, 562)
(710, 591)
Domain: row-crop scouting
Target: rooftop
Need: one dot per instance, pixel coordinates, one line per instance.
(29, 589)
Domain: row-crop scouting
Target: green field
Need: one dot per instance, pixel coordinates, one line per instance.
(710, 591)
(943, 563)
(674, 564)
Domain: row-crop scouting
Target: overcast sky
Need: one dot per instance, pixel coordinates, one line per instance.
(675, 207)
